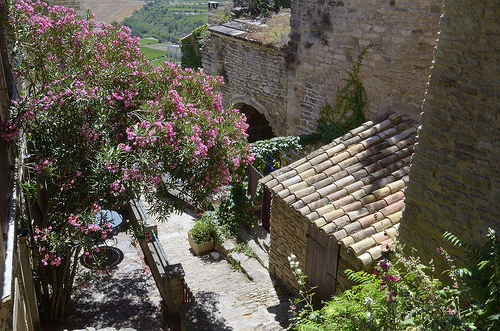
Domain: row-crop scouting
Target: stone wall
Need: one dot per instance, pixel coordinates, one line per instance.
(253, 75)
(288, 235)
(455, 176)
(328, 35)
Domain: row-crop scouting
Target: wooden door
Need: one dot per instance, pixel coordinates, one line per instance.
(322, 259)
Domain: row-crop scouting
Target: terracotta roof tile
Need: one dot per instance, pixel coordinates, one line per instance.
(322, 183)
(382, 225)
(340, 157)
(287, 175)
(322, 166)
(316, 178)
(342, 221)
(343, 201)
(310, 198)
(367, 199)
(335, 150)
(353, 188)
(325, 191)
(307, 174)
(336, 169)
(330, 216)
(284, 193)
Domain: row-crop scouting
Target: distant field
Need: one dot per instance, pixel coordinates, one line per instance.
(112, 10)
(151, 53)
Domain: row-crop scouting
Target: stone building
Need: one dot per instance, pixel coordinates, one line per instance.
(337, 208)
(290, 85)
(453, 183)
(255, 77)
(455, 174)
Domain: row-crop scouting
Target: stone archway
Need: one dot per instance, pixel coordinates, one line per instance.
(258, 126)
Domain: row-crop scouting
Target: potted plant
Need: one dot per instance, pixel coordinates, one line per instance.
(201, 235)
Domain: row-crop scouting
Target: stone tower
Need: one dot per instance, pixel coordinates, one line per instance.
(455, 176)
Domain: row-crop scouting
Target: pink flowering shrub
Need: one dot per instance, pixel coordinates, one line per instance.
(101, 125)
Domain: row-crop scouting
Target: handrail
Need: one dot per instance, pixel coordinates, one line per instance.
(161, 249)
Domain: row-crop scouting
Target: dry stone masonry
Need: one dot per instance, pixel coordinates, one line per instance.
(455, 176)
(254, 75)
(290, 88)
(329, 35)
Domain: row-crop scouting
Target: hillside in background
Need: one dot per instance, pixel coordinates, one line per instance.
(167, 21)
(113, 10)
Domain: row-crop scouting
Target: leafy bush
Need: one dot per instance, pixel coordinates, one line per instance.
(204, 229)
(265, 7)
(401, 294)
(100, 124)
(190, 48)
(271, 152)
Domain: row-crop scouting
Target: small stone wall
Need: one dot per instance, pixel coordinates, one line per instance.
(254, 75)
(288, 235)
(454, 179)
(328, 36)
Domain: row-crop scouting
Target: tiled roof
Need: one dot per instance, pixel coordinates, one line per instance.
(353, 188)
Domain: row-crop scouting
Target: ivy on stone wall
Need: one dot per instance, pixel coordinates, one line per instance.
(190, 48)
(333, 120)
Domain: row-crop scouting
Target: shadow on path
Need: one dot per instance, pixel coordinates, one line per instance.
(209, 301)
(119, 302)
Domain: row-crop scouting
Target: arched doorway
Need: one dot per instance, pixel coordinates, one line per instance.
(258, 126)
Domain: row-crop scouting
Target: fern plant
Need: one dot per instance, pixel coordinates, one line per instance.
(482, 275)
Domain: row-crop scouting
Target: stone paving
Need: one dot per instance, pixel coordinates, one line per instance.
(231, 300)
(126, 299)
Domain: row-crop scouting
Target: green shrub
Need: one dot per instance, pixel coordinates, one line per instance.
(204, 229)
(402, 294)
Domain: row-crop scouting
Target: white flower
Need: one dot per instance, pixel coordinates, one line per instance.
(368, 315)
(368, 301)
(299, 271)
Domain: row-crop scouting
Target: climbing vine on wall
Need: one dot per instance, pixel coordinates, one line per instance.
(190, 48)
(334, 121)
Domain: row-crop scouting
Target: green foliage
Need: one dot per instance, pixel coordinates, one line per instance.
(403, 295)
(222, 16)
(235, 209)
(151, 53)
(334, 121)
(204, 229)
(190, 48)
(243, 247)
(265, 7)
(160, 20)
(482, 275)
(271, 149)
(148, 41)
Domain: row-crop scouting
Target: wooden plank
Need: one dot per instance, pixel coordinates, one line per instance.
(321, 264)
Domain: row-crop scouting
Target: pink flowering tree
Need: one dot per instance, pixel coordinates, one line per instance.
(101, 125)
